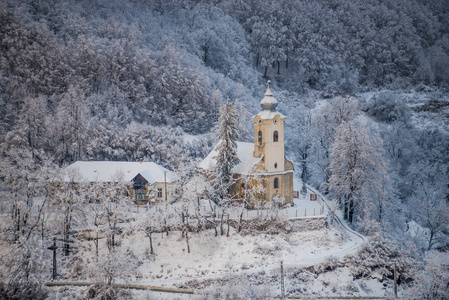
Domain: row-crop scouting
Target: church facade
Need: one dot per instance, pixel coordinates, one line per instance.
(264, 176)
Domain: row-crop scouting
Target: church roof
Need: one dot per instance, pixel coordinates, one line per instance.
(109, 171)
(269, 102)
(266, 114)
(245, 154)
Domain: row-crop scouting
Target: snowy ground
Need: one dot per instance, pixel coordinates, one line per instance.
(253, 257)
(215, 258)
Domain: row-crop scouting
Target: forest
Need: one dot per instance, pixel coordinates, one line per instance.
(364, 85)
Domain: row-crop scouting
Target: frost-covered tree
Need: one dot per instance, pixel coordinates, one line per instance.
(70, 126)
(433, 278)
(25, 264)
(429, 207)
(24, 176)
(227, 156)
(67, 204)
(114, 265)
(357, 166)
(324, 127)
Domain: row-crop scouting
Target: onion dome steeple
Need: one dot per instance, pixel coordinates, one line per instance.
(269, 102)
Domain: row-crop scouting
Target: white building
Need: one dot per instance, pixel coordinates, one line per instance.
(146, 180)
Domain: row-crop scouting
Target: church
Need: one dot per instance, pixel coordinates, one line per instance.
(263, 175)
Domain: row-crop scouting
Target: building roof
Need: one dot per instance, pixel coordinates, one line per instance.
(269, 102)
(267, 114)
(244, 153)
(112, 171)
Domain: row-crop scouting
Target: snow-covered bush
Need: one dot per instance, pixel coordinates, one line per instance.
(329, 263)
(22, 291)
(380, 254)
(302, 276)
(266, 248)
(106, 292)
(351, 288)
(238, 289)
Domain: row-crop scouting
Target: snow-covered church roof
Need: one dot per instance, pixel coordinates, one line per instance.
(244, 153)
(112, 171)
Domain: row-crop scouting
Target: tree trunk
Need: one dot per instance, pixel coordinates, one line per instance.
(43, 226)
(183, 224)
(187, 233)
(166, 226)
(210, 204)
(227, 233)
(265, 72)
(200, 225)
(187, 240)
(221, 224)
(432, 233)
(241, 222)
(351, 210)
(380, 212)
(96, 244)
(345, 208)
(151, 242)
(279, 67)
(215, 227)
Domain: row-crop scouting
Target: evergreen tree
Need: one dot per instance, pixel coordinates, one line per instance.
(227, 149)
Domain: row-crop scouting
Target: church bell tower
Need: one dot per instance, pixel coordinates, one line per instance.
(269, 145)
(269, 133)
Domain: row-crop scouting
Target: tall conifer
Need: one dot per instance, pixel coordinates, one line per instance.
(227, 149)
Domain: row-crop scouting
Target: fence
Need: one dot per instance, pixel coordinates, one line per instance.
(287, 213)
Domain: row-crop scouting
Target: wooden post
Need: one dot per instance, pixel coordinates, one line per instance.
(282, 281)
(55, 270)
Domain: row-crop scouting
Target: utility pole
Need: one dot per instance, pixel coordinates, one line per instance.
(165, 187)
(54, 258)
(282, 281)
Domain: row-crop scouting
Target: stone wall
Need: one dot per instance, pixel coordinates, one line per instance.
(277, 226)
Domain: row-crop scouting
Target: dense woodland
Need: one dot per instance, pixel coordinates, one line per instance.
(363, 85)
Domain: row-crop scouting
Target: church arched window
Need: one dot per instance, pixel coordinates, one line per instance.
(276, 183)
(259, 136)
(275, 136)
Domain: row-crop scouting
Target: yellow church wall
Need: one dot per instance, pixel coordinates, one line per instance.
(273, 151)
